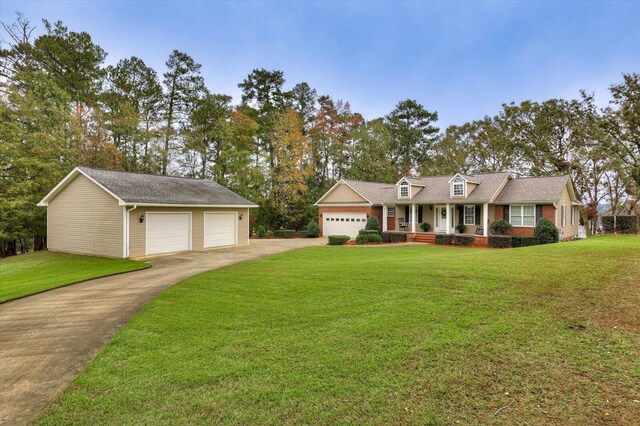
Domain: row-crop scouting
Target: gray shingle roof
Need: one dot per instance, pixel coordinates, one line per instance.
(375, 192)
(138, 188)
(533, 189)
(437, 188)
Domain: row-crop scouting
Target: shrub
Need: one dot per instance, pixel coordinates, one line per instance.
(425, 227)
(624, 224)
(373, 224)
(546, 232)
(278, 233)
(301, 234)
(464, 240)
(461, 227)
(313, 229)
(368, 231)
(444, 239)
(499, 241)
(338, 240)
(261, 232)
(523, 241)
(393, 237)
(368, 238)
(500, 227)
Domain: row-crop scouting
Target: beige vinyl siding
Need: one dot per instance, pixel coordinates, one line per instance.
(568, 230)
(343, 194)
(470, 187)
(414, 190)
(137, 230)
(85, 219)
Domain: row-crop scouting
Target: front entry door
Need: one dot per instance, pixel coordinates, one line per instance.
(440, 219)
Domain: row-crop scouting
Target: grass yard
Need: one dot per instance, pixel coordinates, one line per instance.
(397, 335)
(33, 273)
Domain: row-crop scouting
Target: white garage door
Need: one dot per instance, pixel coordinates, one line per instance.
(343, 223)
(168, 232)
(219, 229)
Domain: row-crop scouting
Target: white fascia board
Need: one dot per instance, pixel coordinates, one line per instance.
(234, 206)
(334, 187)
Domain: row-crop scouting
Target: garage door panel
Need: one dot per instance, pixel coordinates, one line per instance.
(220, 229)
(343, 223)
(168, 232)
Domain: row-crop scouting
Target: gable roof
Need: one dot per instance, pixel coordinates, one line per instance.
(535, 189)
(144, 189)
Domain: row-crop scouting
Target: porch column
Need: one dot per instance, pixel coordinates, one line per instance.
(385, 212)
(414, 211)
(448, 221)
(485, 219)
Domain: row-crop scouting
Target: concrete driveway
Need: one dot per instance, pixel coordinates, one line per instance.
(48, 338)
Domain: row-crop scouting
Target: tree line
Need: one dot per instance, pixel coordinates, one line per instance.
(283, 145)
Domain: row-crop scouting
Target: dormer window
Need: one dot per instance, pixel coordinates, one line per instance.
(404, 189)
(458, 187)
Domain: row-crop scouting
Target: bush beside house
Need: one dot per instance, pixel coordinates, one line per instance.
(500, 227)
(373, 224)
(393, 237)
(338, 240)
(368, 238)
(313, 229)
(500, 241)
(444, 239)
(546, 232)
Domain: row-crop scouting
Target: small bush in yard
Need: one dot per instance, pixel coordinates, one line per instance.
(368, 231)
(368, 238)
(313, 229)
(546, 232)
(500, 226)
(373, 224)
(338, 240)
(444, 239)
(261, 232)
(393, 237)
(464, 240)
(499, 241)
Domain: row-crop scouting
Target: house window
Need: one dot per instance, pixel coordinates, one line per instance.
(458, 187)
(563, 215)
(523, 215)
(391, 212)
(469, 215)
(404, 190)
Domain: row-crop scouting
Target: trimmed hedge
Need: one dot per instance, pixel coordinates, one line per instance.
(301, 234)
(392, 237)
(500, 241)
(444, 239)
(517, 241)
(368, 231)
(368, 238)
(625, 224)
(338, 240)
(284, 233)
(464, 240)
(546, 232)
(500, 226)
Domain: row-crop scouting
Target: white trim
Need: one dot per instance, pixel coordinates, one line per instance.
(67, 179)
(146, 233)
(414, 217)
(522, 225)
(448, 219)
(563, 215)
(346, 205)
(334, 187)
(394, 211)
(452, 186)
(406, 179)
(204, 229)
(385, 213)
(463, 177)
(127, 230)
(464, 214)
(206, 206)
(485, 219)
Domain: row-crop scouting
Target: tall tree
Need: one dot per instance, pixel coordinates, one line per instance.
(622, 127)
(304, 101)
(183, 86)
(413, 135)
(132, 98)
(370, 153)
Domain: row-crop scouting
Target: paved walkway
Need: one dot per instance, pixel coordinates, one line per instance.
(48, 338)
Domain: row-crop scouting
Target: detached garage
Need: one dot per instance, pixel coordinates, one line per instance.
(120, 214)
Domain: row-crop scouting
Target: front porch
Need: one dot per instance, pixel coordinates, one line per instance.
(444, 218)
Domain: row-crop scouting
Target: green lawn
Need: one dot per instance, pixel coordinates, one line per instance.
(36, 272)
(377, 335)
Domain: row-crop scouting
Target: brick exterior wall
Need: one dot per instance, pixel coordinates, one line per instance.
(369, 210)
(548, 211)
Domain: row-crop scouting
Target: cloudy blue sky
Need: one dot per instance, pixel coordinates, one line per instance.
(462, 59)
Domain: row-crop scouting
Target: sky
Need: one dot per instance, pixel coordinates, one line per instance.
(461, 59)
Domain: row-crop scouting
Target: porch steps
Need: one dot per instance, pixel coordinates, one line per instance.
(424, 238)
